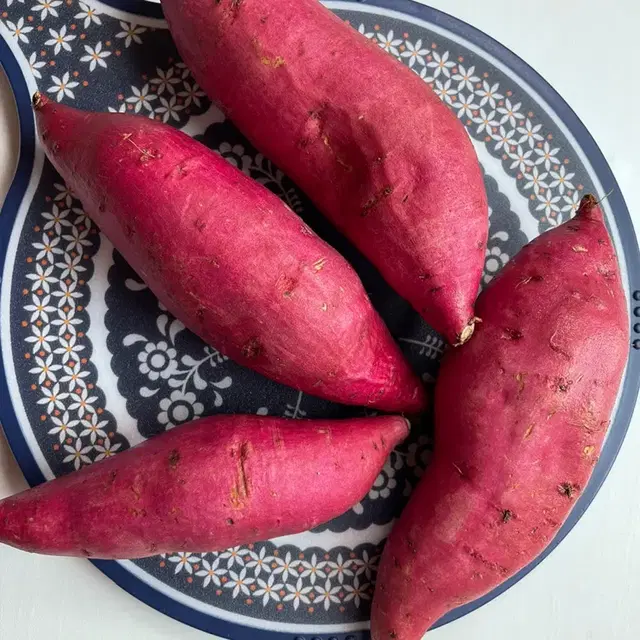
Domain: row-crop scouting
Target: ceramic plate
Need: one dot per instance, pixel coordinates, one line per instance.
(93, 364)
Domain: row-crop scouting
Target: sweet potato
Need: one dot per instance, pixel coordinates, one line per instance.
(215, 483)
(228, 258)
(364, 136)
(521, 414)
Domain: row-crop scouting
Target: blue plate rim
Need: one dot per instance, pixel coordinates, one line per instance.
(628, 396)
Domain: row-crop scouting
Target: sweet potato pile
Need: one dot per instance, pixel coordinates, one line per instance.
(525, 392)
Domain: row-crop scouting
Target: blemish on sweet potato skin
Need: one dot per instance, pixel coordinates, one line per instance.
(568, 489)
(506, 516)
(512, 334)
(174, 459)
(252, 349)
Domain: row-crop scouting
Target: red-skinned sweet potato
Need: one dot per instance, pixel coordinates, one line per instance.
(215, 483)
(228, 258)
(366, 138)
(521, 414)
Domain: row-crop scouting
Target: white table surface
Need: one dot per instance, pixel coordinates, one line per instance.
(589, 588)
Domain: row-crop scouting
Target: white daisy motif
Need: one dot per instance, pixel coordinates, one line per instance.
(297, 593)
(445, 91)
(46, 8)
(74, 377)
(510, 113)
(42, 278)
(486, 122)
(41, 338)
(67, 293)
(285, 567)
(357, 592)
(339, 568)
(494, 261)
(70, 266)
(504, 139)
(535, 180)
(571, 203)
(82, 218)
(423, 74)
(62, 88)
(530, 133)
(182, 70)
(211, 572)
(165, 81)
(267, 590)
(521, 159)
(259, 562)
(385, 482)
(562, 180)
(466, 78)
(179, 407)
(141, 98)
(239, 583)
(313, 569)
(93, 427)
(415, 53)
(77, 454)
(95, 56)
(64, 427)
(130, 33)
(157, 360)
(441, 64)
(18, 30)
(465, 105)
(234, 556)
(66, 322)
(88, 14)
(56, 219)
(45, 368)
(121, 109)
(39, 308)
(191, 93)
(106, 450)
(169, 109)
(65, 195)
(35, 64)
(69, 349)
(77, 240)
(60, 40)
(489, 94)
(548, 203)
(547, 155)
(389, 43)
(82, 402)
(327, 594)
(47, 247)
(53, 397)
(366, 34)
(366, 565)
(10, 2)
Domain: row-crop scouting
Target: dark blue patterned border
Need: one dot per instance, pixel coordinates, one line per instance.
(628, 239)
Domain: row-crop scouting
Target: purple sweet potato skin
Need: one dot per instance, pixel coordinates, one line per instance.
(405, 183)
(521, 414)
(228, 258)
(215, 483)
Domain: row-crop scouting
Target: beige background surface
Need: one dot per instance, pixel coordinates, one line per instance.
(588, 589)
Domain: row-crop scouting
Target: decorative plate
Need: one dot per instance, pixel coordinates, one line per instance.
(93, 364)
